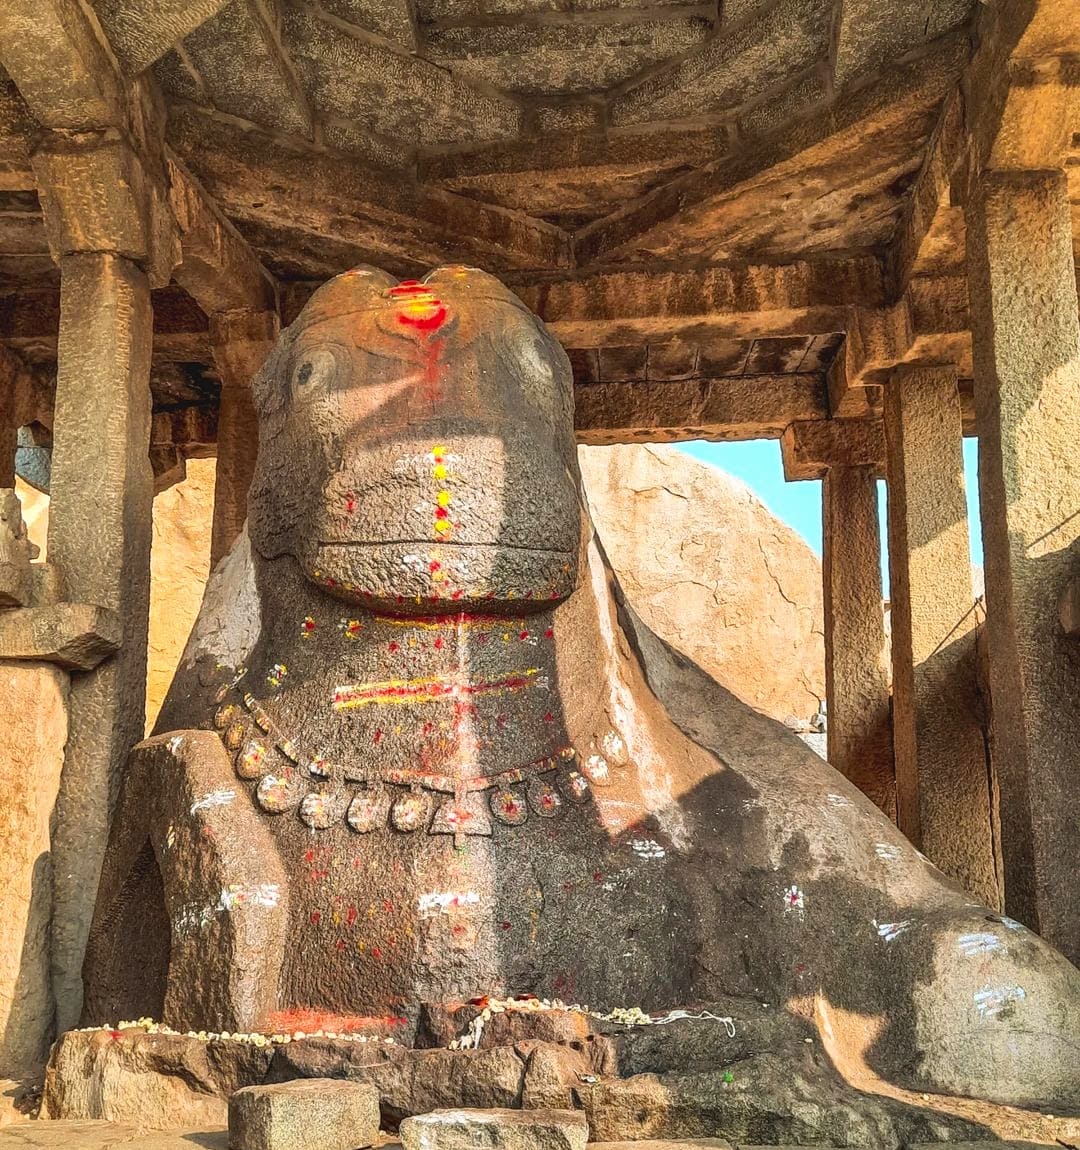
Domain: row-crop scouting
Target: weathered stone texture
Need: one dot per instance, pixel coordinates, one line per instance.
(708, 567)
(339, 1115)
(732, 68)
(872, 33)
(497, 1129)
(1027, 364)
(389, 18)
(141, 31)
(351, 77)
(942, 769)
(99, 536)
(263, 88)
(857, 682)
(33, 699)
(562, 58)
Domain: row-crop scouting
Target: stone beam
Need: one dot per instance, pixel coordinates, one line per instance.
(809, 449)
(217, 267)
(943, 796)
(1027, 369)
(77, 636)
(142, 31)
(728, 408)
(30, 319)
(856, 681)
(929, 324)
(738, 299)
(369, 217)
(945, 153)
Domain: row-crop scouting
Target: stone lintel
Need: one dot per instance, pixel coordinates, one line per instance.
(809, 449)
(664, 292)
(727, 408)
(929, 324)
(1026, 331)
(77, 636)
(217, 267)
(97, 196)
(942, 772)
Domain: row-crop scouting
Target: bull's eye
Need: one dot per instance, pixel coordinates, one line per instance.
(315, 371)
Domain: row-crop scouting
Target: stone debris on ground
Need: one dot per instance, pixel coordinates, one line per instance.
(496, 1129)
(322, 1113)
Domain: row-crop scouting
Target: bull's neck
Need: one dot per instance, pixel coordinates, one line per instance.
(470, 690)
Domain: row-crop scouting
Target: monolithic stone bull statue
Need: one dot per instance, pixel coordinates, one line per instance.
(419, 751)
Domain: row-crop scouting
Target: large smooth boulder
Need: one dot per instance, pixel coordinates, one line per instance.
(709, 568)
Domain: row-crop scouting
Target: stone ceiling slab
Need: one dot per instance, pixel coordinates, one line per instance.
(873, 33)
(239, 60)
(391, 93)
(733, 67)
(389, 18)
(568, 57)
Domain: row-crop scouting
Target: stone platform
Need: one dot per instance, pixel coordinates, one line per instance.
(737, 1070)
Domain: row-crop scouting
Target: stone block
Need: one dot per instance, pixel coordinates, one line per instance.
(74, 635)
(286, 1115)
(502, 1129)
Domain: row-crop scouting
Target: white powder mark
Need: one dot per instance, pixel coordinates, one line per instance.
(979, 943)
(891, 930)
(220, 798)
(443, 902)
(794, 899)
(648, 849)
(175, 743)
(242, 895)
(992, 1000)
(886, 852)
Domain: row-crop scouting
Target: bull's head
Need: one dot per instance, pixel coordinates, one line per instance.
(416, 447)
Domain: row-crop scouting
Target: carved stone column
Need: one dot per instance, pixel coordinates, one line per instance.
(1027, 392)
(856, 682)
(942, 771)
(102, 494)
(241, 341)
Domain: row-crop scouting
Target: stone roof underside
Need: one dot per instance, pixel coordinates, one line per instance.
(699, 198)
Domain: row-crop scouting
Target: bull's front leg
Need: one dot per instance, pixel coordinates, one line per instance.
(225, 889)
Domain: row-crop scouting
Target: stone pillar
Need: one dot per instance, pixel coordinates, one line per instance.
(943, 793)
(856, 682)
(241, 341)
(99, 536)
(1027, 392)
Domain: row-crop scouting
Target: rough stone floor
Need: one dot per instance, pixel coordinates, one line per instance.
(45, 1135)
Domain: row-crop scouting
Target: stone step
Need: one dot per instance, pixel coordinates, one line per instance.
(497, 1129)
(305, 1114)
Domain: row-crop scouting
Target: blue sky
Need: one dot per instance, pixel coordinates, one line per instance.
(758, 464)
